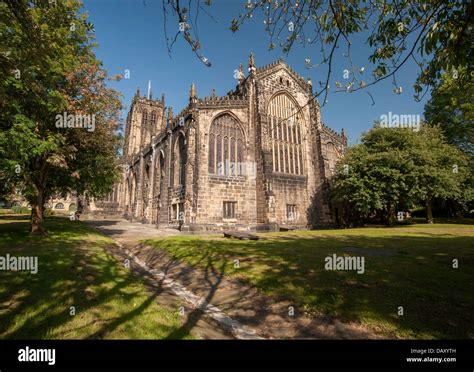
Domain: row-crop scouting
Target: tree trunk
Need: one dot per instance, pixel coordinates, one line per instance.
(37, 201)
(37, 214)
(429, 211)
(390, 215)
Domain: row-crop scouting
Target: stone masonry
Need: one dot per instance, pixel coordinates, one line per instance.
(258, 158)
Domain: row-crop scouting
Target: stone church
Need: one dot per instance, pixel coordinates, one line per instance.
(258, 158)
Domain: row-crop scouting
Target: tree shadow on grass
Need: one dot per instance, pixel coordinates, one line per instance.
(437, 299)
(14, 217)
(70, 273)
(213, 277)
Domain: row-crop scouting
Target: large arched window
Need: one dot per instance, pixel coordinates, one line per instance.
(226, 147)
(285, 127)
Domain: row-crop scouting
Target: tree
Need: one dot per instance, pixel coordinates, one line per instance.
(395, 169)
(452, 108)
(435, 34)
(441, 171)
(50, 73)
(373, 175)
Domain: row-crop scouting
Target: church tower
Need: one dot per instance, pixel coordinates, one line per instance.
(145, 119)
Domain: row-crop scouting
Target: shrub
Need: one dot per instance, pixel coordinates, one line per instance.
(20, 210)
(48, 212)
(419, 212)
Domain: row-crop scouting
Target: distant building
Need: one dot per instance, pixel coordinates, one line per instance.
(57, 203)
(60, 204)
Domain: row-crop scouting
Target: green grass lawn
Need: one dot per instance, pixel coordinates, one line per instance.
(75, 270)
(437, 299)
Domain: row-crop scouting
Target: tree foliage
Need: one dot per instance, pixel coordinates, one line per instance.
(435, 34)
(396, 169)
(452, 108)
(48, 68)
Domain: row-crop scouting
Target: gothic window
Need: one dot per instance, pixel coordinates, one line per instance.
(157, 183)
(232, 146)
(226, 151)
(212, 152)
(285, 134)
(160, 173)
(179, 162)
(226, 147)
(144, 118)
(147, 182)
(240, 150)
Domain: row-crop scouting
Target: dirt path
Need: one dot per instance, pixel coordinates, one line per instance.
(268, 317)
(127, 234)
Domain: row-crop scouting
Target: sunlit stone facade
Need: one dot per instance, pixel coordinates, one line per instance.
(258, 158)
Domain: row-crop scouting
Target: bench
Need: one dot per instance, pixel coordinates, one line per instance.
(287, 228)
(240, 235)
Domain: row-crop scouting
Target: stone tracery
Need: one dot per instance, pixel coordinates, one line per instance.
(226, 146)
(285, 133)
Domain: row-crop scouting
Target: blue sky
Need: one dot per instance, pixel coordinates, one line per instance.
(130, 36)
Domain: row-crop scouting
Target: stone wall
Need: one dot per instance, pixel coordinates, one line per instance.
(282, 189)
(166, 180)
(213, 190)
